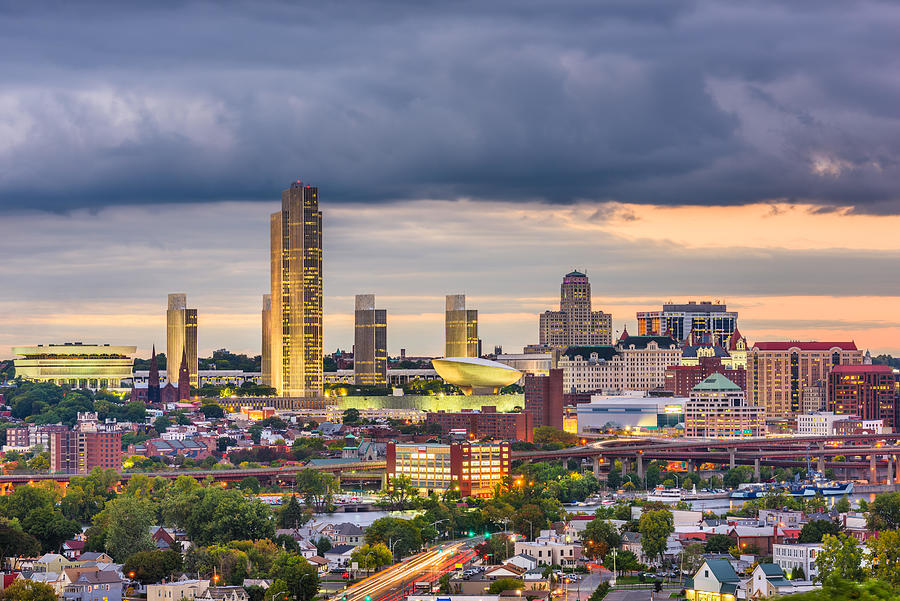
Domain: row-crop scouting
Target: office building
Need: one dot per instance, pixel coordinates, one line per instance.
(631, 410)
(86, 446)
(487, 423)
(76, 365)
(820, 423)
(865, 391)
(717, 408)
(460, 328)
(777, 372)
(370, 348)
(266, 356)
(474, 468)
(797, 555)
(181, 336)
(812, 399)
(544, 398)
(296, 297)
(575, 324)
(634, 363)
(702, 322)
(680, 379)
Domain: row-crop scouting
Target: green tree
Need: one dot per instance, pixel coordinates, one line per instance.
(323, 546)
(505, 584)
(884, 553)
(599, 537)
(718, 543)
(884, 512)
(250, 485)
(299, 578)
(317, 489)
(161, 423)
(28, 590)
(371, 557)
(841, 556)
(213, 514)
(614, 479)
(292, 515)
(350, 416)
(128, 533)
(152, 566)
(15, 542)
(842, 505)
(812, 532)
(692, 557)
(224, 442)
(50, 527)
(405, 537)
(399, 492)
(212, 411)
(655, 528)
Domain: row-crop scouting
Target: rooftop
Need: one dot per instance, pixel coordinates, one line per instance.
(717, 381)
(811, 345)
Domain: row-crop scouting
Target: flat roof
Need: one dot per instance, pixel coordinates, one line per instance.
(75, 349)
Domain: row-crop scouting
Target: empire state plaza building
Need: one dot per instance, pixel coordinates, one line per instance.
(295, 312)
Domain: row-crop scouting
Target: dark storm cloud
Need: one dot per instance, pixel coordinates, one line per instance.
(675, 103)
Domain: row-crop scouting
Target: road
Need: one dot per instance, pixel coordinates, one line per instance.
(580, 590)
(400, 579)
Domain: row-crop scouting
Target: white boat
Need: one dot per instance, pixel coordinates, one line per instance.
(665, 495)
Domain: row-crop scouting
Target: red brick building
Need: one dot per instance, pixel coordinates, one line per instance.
(485, 424)
(544, 398)
(866, 391)
(78, 452)
(681, 379)
(474, 468)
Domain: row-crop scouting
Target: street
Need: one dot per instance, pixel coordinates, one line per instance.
(582, 589)
(398, 580)
(631, 595)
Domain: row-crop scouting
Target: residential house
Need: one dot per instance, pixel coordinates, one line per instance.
(631, 541)
(347, 534)
(101, 585)
(339, 556)
(505, 571)
(523, 561)
(716, 580)
(71, 549)
(175, 591)
(786, 518)
(307, 548)
(95, 556)
(797, 555)
(550, 550)
(164, 538)
(768, 580)
(52, 562)
(224, 593)
(320, 562)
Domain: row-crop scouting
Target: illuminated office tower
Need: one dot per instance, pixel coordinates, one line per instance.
(266, 363)
(181, 337)
(370, 348)
(575, 324)
(460, 328)
(296, 327)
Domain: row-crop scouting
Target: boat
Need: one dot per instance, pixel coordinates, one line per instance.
(806, 488)
(665, 495)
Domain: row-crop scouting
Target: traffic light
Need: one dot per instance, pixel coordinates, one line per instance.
(368, 597)
(471, 534)
(440, 550)
(487, 535)
(344, 598)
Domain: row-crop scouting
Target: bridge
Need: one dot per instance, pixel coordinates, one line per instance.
(864, 455)
(356, 472)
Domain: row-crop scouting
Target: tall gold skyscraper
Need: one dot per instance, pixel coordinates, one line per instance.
(296, 326)
(266, 363)
(181, 337)
(460, 328)
(370, 343)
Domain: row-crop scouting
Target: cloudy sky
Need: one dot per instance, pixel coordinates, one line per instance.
(674, 151)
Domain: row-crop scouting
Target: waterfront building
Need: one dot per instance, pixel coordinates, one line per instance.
(181, 335)
(866, 391)
(370, 348)
(266, 355)
(296, 296)
(777, 372)
(460, 328)
(544, 398)
(718, 409)
(700, 321)
(634, 410)
(634, 363)
(487, 423)
(76, 365)
(86, 446)
(576, 323)
(474, 468)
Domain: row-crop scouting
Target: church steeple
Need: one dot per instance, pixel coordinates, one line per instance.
(184, 378)
(153, 379)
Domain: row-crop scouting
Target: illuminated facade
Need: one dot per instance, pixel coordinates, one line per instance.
(475, 468)
(703, 322)
(575, 324)
(778, 372)
(266, 358)
(370, 343)
(181, 336)
(474, 375)
(866, 391)
(634, 363)
(76, 365)
(86, 446)
(716, 580)
(718, 409)
(460, 328)
(296, 310)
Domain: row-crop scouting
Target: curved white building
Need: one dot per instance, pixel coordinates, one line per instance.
(473, 373)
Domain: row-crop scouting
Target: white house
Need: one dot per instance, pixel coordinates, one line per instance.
(797, 555)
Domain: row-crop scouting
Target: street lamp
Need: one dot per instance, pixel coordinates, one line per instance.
(612, 581)
(531, 528)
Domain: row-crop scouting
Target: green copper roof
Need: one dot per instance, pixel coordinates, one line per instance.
(575, 273)
(717, 381)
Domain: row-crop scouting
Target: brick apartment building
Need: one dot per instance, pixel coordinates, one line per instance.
(86, 446)
(544, 398)
(681, 379)
(487, 423)
(865, 391)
